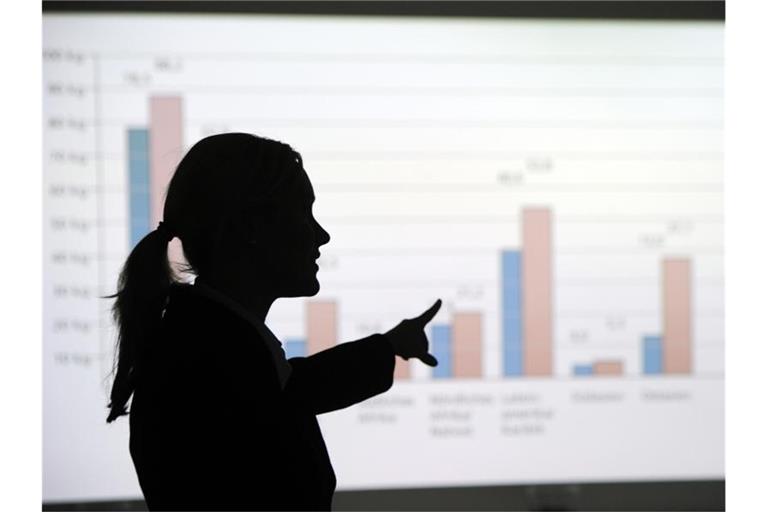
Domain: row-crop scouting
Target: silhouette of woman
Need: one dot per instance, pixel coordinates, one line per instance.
(219, 419)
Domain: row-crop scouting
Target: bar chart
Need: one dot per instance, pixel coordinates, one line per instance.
(561, 194)
(526, 282)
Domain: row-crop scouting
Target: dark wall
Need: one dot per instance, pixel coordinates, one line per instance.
(701, 496)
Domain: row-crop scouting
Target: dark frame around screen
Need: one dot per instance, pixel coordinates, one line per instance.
(649, 9)
(650, 495)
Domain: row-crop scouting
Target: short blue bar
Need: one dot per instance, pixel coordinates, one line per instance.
(653, 355)
(441, 349)
(582, 369)
(512, 318)
(295, 348)
(138, 184)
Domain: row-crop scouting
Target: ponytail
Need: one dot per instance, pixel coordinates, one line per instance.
(142, 292)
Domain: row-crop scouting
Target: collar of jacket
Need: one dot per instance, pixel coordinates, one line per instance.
(271, 341)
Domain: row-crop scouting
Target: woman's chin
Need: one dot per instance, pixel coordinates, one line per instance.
(308, 288)
(313, 287)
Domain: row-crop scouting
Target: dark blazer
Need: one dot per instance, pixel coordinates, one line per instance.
(210, 426)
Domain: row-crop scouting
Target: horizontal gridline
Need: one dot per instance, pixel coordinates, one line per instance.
(708, 124)
(650, 280)
(437, 187)
(377, 155)
(502, 187)
(698, 251)
(560, 314)
(475, 58)
(568, 92)
(489, 219)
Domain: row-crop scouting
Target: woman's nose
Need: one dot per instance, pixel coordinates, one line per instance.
(323, 236)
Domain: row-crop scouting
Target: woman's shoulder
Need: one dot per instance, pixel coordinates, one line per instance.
(187, 306)
(194, 313)
(187, 296)
(208, 332)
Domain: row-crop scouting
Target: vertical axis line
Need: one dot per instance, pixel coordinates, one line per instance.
(99, 179)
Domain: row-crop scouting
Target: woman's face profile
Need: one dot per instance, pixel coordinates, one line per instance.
(286, 243)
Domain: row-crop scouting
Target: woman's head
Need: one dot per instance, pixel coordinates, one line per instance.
(242, 207)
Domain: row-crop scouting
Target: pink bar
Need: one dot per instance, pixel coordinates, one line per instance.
(676, 285)
(402, 369)
(537, 291)
(166, 148)
(607, 368)
(467, 345)
(321, 326)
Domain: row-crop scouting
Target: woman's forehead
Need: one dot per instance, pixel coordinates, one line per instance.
(297, 192)
(307, 192)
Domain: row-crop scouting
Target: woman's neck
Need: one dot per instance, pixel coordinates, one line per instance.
(256, 304)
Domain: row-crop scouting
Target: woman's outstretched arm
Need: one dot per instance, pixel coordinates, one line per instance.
(343, 375)
(352, 372)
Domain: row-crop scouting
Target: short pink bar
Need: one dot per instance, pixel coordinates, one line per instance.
(467, 345)
(402, 369)
(321, 326)
(676, 284)
(537, 291)
(607, 368)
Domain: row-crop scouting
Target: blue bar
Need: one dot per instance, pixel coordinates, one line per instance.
(653, 355)
(441, 349)
(512, 318)
(582, 369)
(295, 348)
(138, 183)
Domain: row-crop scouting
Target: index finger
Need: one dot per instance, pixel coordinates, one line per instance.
(430, 313)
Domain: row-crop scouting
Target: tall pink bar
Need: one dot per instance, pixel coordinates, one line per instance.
(467, 345)
(537, 291)
(676, 300)
(321, 326)
(607, 368)
(166, 147)
(402, 369)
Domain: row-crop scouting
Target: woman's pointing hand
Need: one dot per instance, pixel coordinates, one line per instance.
(408, 338)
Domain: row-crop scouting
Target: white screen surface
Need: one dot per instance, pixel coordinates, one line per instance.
(436, 147)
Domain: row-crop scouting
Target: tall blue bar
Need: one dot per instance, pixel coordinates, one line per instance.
(441, 349)
(582, 369)
(138, 183)
(653, 355)
(512, 318)
(295, 348)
